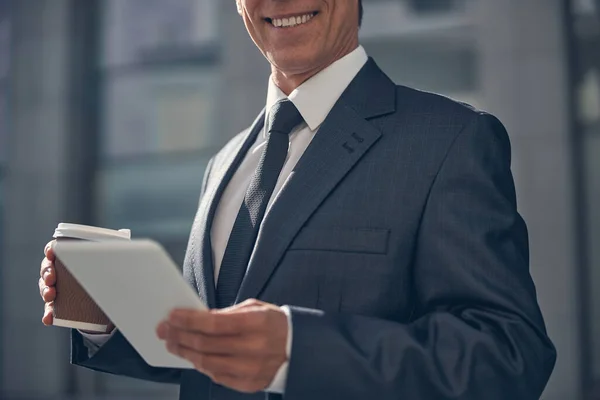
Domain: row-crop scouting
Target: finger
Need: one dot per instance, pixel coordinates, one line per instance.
(206, 322)
(213, 365)
(48, 273)
(47, 319)
(49, 250)
(253, 345)
(48, 293)
(241, 373)
(45, 266)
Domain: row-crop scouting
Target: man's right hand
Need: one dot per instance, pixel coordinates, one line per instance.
(47, 283)
(47, 287)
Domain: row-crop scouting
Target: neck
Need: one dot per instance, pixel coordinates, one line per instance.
(288, 82)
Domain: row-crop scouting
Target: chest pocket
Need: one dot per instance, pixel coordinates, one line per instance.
(343, 240)
(342, 262)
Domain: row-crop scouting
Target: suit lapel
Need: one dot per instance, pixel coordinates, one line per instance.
(224, 166)
(342, 140)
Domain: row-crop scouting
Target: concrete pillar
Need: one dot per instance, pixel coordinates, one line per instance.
(524, 82)
(35, 359)
(48, 180)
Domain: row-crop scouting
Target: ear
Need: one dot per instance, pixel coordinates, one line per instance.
(238, 3)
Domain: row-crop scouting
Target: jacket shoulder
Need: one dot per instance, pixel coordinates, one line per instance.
(443, 120)
(423, 102)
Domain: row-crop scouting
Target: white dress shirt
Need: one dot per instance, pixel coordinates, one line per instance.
(314, 99)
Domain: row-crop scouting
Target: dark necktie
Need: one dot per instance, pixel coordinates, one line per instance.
(283, 117)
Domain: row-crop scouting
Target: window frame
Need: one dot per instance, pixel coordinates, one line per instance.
(576, 48)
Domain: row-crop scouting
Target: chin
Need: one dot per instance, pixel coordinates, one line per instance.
(294, 63)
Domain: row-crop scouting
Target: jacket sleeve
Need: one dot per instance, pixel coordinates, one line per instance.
(117, 356)
(476, 331)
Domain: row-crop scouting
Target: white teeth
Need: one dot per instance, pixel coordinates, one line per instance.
(292, 21)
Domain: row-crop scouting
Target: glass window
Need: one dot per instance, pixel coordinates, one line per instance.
(137, 31)
(590, 123)
(4, 66)
(158, 111)
(589, 99)
(157, 125)
(157, 115)
(424, 44)
(585, 6)
(4, 39)
(154, 198)
(4, 69)
(586, 31)
(592, 181)
(434, 6)
(1, 231)
(3, 125)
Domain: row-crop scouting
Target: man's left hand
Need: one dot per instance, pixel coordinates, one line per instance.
(241, 347)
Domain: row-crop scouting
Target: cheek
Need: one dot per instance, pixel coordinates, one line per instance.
(254, 30)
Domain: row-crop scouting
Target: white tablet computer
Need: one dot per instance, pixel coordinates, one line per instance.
(137, 285)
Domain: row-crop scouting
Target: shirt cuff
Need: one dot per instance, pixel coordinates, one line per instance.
(279, 381)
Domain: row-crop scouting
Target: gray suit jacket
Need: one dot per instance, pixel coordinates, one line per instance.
(398, 244)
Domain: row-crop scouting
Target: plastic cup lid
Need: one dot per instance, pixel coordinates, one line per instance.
(92, 233)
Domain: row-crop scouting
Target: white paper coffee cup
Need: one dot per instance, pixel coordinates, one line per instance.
(73, 307)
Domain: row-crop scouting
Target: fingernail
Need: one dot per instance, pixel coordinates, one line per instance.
(45, 290)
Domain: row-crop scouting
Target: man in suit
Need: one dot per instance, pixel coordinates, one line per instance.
(377, 226)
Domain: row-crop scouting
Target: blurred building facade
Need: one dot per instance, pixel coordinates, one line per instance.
(109, 112)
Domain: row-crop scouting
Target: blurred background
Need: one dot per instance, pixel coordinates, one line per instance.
(110, 110)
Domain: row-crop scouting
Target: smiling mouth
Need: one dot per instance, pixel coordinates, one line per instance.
(292, 21)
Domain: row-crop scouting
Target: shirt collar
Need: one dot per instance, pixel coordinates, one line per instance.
(315, 98)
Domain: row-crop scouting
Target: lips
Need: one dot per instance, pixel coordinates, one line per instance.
(291, 21)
